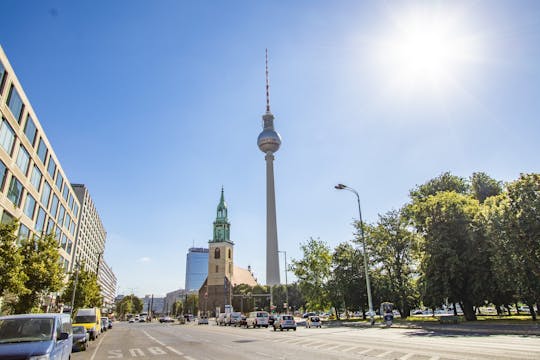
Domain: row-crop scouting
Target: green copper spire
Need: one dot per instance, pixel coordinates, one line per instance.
(222, 225)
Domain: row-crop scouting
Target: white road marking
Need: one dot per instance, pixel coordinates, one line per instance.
(384, 354)
(153, 338)
(188, 358)
(97, 348)
(136, 352)
(349, 348)
(115, 354)
(175, 351)
(406, 357)
(364, 351)
(434, 357)
(157, 351)
(263, 354)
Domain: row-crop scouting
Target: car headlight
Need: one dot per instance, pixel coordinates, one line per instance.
(40, 357)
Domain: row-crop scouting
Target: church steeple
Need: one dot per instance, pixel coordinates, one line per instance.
(222, 225)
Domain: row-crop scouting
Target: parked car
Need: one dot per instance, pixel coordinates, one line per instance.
(271, 319)
(81, 338)
(36, 336)
(257, 319)
(110, 324)
(305, 316)
(90, 318)
(104, 324)
(166, 319)
(313, 321)
(203, 320)
(241, 322)
(220, 320)
(232, 318)
(131, 321)
(284, 322)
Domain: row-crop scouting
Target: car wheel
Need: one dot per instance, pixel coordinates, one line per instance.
(274, 328)
(294, 329)
(280, 328)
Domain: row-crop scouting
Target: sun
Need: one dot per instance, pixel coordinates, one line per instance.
(425, 49)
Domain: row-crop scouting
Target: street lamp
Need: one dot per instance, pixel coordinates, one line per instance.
(368, 286)
(286, 285)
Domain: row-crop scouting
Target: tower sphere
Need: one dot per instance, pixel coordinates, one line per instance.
(269, 141)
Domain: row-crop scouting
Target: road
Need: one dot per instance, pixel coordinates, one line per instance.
(210, 342)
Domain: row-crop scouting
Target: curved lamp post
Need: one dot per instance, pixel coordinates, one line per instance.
(368, 286)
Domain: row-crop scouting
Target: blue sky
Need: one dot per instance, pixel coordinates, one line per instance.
(155, 105)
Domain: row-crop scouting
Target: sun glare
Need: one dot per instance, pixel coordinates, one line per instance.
(424, 50)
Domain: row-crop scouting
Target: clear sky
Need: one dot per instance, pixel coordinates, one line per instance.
(155, 105)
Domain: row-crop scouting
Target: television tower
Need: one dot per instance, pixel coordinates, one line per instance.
(269, 142)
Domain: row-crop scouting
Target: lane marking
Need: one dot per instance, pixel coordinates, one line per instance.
(97, 347)
(385, 353)
(175, 351)
(364, 351)
(263, 354)
(406, 357)
(153, 338)
(188, 357)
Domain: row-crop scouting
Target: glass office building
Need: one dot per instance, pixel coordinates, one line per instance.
(196, 268)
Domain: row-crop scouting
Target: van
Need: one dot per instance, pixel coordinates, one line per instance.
(29, 336)
(257, 319)
(232, 318)
(91, 319)
(221, 319)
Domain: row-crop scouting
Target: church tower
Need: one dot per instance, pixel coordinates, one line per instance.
(220, 263)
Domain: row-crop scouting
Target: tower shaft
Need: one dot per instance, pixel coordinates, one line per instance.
(272, 260)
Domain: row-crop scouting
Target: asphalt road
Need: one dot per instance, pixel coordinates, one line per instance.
(210, 342)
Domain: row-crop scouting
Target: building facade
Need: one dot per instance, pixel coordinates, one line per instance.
(171, 298)
(155, 304)
(91, 235)
(33, 187)
(108, 283)
(196, 268)
(216, 291)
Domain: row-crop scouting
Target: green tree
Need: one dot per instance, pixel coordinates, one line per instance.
(524, 232)
(177, 308)
(455, 251)
(347, 284)
(394, 247)
(313, 273)
(192, 304)
(484, 186)
(444, 182)
(87, 293)
(43, 270)
(12, 278)
(130, 304)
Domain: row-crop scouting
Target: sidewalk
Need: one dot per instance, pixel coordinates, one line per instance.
(471, 327)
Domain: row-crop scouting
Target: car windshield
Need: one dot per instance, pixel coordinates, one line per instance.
(287, 317)
(79, 330)
(25, 330)
(262, 315)
(84, 319)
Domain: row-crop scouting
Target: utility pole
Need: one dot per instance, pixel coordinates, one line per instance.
(75, 286)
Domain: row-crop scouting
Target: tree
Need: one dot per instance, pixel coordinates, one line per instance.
(484, 186)
(392, 246)
(455, 251)
(444, 182)
(43, 271)
(524, 232)
(177, 308)
(87, 293)
(130, 304)
(12, 278)
(347, 285)
(313, 273)
(192, 304)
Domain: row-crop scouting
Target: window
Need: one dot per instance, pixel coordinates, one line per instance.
(69, 247)
(70, 201)
(50, 226)
(42, 151)
(217, 268)
(30, 130)
(45, 194)
(216, 254)
(3, 172)
(51, 168)
(229, 252)
(7, 218)
(7, 136)
(67, 221)
(23, 159)
(35, 178)
(15, 191)
(24, 233)
(3, 76)
(61, 213)
(15, 103)
(59, 181)
(40, 220)
(29, 206)
(72, 228)
(54, 205)
(63, 243)
(75, 209)
(65, 193)
(57, 233)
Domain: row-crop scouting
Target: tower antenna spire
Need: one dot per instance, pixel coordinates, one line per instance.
(267, 85)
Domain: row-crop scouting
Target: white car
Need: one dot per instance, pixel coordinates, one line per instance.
(313, 321)
(257, 319)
